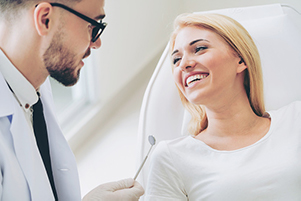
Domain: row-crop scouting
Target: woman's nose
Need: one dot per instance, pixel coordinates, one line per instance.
(187, 64)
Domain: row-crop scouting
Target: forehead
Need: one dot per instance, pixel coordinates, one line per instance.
(188, 34)
(91, 8)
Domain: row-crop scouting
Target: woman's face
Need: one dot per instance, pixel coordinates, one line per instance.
(206, 68)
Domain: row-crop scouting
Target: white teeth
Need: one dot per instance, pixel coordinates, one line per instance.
(193, 78)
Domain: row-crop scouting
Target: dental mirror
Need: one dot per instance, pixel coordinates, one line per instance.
(152, 141)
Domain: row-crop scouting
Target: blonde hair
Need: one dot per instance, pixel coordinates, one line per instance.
(241, 42)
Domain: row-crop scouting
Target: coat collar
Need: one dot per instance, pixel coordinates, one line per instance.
(23, 90)
(62, 159)
(6, 100)
(25, 146)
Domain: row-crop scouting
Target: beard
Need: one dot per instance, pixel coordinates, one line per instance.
(60, 62)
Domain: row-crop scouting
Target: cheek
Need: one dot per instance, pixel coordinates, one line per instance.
(79, 50)
(220, 68)
(212, 62)
(82, 43)
(177, 74)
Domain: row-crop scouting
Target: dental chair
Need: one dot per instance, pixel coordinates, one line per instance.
(276, 30)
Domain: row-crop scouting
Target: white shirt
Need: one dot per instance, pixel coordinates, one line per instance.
(268, 170)
(23, 90)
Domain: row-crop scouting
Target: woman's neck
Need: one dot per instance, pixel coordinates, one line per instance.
(231, 119)
(234, 125)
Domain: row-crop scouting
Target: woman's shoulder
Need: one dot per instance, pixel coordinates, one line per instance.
(176, 143)
(295, 105)
(166, 148)
(286, 116)
(292, 109)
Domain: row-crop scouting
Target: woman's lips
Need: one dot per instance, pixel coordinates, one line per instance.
(190, 79)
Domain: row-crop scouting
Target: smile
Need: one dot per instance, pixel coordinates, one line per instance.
(190, 80)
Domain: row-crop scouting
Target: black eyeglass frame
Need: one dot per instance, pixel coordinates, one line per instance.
(97, 25)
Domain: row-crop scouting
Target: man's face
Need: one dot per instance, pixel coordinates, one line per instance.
(72, 43)
(61, 63)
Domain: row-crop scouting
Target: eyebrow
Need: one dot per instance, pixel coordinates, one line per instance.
(197, 40)
(190, 44)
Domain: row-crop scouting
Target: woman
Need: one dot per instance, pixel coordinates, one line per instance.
(237, 151)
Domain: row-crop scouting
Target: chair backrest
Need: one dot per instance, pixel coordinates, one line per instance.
(276, 30)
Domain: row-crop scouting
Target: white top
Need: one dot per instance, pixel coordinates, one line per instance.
(268, 170)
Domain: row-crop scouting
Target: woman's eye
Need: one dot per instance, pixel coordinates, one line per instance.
(175, 60)
(197, 49)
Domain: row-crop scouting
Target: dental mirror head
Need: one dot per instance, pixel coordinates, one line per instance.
(152, 140)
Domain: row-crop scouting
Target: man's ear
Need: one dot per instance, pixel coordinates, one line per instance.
(43, 18)
(241, 65)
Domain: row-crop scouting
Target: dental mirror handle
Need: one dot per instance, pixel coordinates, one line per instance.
(141, 166)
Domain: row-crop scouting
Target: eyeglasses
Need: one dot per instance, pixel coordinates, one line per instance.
(98, 26)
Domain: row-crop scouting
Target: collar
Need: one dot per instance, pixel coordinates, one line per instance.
(23, 90)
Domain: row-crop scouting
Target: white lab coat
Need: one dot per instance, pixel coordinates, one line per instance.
(22, 173)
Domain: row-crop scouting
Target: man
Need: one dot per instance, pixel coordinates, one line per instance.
(38, 39)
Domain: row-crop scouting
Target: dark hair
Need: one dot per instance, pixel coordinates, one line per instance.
(9, 8)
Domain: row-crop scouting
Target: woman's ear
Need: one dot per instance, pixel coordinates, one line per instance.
(241, 65)
(43, 18)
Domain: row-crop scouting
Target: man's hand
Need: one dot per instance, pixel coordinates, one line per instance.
(123, 190)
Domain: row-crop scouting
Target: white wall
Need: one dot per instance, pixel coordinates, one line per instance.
(136, 32)
(203, 5)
